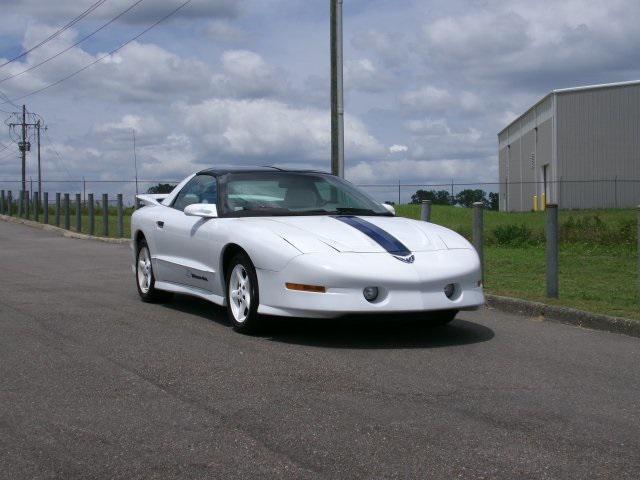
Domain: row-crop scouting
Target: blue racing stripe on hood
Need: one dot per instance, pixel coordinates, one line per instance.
(387, 241)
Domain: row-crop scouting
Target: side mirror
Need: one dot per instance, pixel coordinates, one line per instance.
(389, 208)
(204, 210)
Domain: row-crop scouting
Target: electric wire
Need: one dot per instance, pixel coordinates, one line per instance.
(62, 29)
(86, 37)
(155, 24)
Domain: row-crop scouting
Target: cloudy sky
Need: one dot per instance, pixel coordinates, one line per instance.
(246, 82)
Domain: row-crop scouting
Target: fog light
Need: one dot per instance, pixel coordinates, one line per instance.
(450, 290)
(370, 293)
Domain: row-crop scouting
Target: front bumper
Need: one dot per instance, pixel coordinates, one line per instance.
(403, 287)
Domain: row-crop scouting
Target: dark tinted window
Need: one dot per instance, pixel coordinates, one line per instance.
(200, 189)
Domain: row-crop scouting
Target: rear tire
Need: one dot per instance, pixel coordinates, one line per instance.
(443, 317)
(145, 279)
(242, 294)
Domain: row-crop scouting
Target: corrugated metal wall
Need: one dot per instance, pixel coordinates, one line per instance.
(598, 141)
(522, 152)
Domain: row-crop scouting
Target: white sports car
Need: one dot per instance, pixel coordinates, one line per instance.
(297, 243)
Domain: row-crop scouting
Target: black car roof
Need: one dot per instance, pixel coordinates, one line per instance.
(224, 171)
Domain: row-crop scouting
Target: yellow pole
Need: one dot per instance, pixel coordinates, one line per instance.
(543, 199)
(535, 203)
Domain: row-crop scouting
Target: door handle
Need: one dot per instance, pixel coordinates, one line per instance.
(160, 224)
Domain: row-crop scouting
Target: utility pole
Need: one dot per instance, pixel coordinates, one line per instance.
(337, 97)
(39, 167)
(23, 147)
(135, 160)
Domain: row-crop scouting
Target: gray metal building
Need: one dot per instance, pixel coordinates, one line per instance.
(580, 147)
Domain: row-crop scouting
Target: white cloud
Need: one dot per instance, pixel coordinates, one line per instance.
(363, 75)
(247, 74)
(398, 148)
(268, 128)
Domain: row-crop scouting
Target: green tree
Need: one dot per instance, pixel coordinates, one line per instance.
(440, 197)
(494, 201)
(468, 197)
(161, 188)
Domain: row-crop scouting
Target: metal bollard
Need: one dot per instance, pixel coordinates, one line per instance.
(57, 209)
(78, 213)
(92, 215)
(45, 207)
(36, 207)
(2, 207)
(9, 202)
(478, 233)
(120, 217)
(425, 211)
(21, 203)
(67, 212)
(552, 251)
(105, 215)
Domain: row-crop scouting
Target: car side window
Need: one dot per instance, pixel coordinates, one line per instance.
(200, 189)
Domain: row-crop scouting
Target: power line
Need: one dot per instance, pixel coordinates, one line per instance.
(65, 27)
(56, 151)
(158, 22)
(86, 37)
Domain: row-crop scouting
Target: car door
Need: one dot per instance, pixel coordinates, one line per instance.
(187, 246)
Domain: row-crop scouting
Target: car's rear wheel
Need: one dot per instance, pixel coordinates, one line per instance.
(145, 279)
(242, 294)
(443, 317)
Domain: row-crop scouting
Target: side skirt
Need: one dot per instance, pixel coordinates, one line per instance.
(196, 292)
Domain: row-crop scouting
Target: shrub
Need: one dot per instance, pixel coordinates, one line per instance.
(514, 235)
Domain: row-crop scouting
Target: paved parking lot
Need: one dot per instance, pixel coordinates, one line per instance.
(96, 384)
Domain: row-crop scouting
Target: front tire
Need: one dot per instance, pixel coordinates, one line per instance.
(242, 294)
(145, 279)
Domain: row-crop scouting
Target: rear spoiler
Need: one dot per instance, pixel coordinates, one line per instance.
(152, 198)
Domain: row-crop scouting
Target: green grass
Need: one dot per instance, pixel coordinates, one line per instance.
(598, 254)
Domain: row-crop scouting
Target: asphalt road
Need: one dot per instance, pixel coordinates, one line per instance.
(96, 384)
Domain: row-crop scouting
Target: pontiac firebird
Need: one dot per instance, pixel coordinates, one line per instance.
(297, 243)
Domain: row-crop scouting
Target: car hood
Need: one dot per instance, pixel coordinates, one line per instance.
(311, 234)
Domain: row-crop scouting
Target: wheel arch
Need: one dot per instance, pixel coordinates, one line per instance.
(228, 252)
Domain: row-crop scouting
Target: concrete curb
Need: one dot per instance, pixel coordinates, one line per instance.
(62, 231)
(567, 315)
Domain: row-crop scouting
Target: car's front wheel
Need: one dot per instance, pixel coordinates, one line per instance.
(242, 294)
(145, 279)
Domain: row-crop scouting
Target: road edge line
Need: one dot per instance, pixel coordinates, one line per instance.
(62, 231)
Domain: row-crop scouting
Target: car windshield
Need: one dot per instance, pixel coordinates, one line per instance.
(292, 193)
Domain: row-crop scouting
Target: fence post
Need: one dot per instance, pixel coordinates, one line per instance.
(120, 217)
(45, 209)
(36, 209)
(425, 211)
(20, 203)
(67, 212)
(78, 213)
(92, 215)
(2, 202)
(27, 204)
(105, 214)
(638, 253)
(552, 251)
(9, 202)
(57, 209)
(478, 232)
